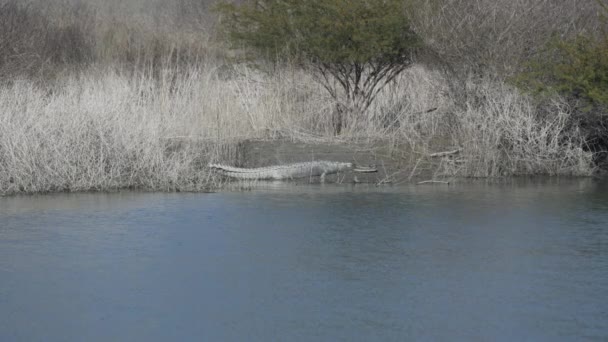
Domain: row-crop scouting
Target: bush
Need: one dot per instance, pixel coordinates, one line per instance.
(354, 47)
(577, 70)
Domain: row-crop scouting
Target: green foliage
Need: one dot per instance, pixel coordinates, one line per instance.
(355, 47)
(325, 31)
(576, 69)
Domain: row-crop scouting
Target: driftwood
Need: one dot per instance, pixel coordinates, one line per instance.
(433, 182)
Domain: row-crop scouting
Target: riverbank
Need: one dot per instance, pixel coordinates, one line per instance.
(114, 95)
(394, 163)
(104, 129)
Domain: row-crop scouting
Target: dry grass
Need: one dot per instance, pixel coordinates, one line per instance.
(503, 135)
(103, 129)
(31, 45)
(498, 35)
(94, 133)
(44, 40)
(146, 101)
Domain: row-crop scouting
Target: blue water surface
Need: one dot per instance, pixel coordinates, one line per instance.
(518, 261)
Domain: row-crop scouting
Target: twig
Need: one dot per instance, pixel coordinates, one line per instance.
(446, 153)
(387, 177)
(414, 169)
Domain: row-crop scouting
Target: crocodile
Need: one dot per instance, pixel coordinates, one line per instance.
(288, 171)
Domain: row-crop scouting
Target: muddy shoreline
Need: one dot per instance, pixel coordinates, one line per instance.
(396, 163)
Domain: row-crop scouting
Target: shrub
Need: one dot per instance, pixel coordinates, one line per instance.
(577, 70)
(354, 47)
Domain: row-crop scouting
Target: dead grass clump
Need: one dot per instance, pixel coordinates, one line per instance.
(500, 132)
(90, 135)
(502, 135)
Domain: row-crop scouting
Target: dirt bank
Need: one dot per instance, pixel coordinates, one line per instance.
(396, 163)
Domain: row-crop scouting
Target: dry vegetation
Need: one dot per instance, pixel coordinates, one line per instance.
(95, 100)
(497, 36)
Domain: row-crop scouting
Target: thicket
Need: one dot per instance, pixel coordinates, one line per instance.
(496, 36)
(576, 69)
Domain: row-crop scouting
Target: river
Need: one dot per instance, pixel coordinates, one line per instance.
(517, 261)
